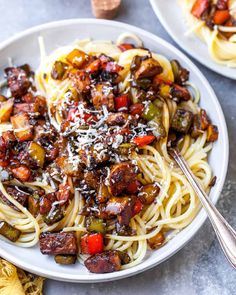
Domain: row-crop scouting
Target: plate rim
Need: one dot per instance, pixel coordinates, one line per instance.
(94, 278)
(214, 66)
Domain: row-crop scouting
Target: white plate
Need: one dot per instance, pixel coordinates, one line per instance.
(171, 17)
(24, 48)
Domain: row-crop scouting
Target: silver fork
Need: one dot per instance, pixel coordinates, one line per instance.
(225, 233)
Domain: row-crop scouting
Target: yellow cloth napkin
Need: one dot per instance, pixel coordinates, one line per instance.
(14, 281)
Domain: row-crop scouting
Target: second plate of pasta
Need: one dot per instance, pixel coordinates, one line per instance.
(202, 35)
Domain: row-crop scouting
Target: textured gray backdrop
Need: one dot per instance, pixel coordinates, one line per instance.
(199, 268)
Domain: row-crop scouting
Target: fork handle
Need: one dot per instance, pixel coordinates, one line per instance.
(225, 233)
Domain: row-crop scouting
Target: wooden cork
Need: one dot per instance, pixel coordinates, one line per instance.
(107, 9)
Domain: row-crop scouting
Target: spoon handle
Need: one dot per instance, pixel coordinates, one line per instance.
(225, 233)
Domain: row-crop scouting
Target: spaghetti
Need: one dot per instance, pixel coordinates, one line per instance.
(100, 170)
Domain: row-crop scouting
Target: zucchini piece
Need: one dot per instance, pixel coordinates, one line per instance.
(54, 215)
(150, 112)
(144, 83)
(9, 232)
(124, 257)
(94, 224)
(65, 259)
(59, 70)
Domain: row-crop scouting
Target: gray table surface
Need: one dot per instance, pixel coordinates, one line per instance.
(199, 268)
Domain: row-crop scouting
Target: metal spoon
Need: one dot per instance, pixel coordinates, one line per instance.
(225, 233)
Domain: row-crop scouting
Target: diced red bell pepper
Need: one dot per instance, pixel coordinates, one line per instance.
(92, 243)
(63, 193)
(134, 187)
(138, 206)
(221, 16)
(136, 109)
(122, 103)
(126, 46)
(143, 140)
(89, 118)
(199, 7)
